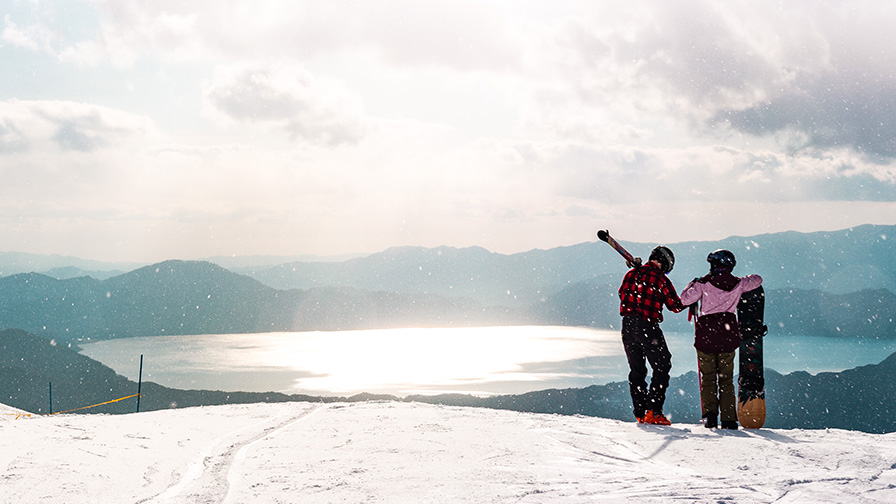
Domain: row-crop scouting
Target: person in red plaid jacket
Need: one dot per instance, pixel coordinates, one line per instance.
(644, 291)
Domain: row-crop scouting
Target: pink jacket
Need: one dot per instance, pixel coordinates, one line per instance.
(715, 300)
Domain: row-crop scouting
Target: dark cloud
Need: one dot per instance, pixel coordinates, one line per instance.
(816, 79)
(828, 113)
(71, 136)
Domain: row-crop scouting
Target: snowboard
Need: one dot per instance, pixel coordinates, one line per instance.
(751, 379)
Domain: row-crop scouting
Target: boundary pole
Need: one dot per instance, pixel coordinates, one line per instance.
(139, 383)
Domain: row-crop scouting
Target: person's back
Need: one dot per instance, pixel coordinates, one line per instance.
(642, 295)
(644, 292)
(720, 292)
(717, 335)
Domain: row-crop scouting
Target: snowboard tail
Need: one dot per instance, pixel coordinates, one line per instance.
(751, 378)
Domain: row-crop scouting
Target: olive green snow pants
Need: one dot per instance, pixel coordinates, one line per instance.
(717, 385)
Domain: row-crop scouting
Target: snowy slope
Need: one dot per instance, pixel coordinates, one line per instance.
(389, 452)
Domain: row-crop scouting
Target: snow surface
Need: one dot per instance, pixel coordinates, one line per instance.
(388, 452)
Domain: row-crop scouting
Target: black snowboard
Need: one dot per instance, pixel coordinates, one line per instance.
(751, 378)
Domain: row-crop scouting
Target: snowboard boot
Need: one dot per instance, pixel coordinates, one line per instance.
(656, 419)
(729, 424)
(711, 422)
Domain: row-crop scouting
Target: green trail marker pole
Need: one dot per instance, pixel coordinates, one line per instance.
(139, 383)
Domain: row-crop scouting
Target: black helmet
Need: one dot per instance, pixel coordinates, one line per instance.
(721, 259)
(664, 256)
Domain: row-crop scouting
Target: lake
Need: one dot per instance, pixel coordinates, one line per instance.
(401, 362)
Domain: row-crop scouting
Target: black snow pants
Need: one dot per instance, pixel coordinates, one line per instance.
(644, 341)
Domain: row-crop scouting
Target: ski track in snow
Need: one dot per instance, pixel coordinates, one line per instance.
(207, 478)
(415, 453)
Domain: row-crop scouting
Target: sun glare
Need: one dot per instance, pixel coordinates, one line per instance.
(388, 358)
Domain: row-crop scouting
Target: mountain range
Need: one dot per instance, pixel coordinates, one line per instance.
(177, 297)
(838, 262)
(445, 287)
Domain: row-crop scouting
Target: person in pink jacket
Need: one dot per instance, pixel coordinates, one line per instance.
(716, 334)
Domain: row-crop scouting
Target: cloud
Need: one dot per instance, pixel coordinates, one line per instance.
(64, 163)
(832, 111)
(12, 138)
(585, 173)
(34, 37)
(288, 98)
(806, 78)
(464, 35)
(458, 34)
(66, 126)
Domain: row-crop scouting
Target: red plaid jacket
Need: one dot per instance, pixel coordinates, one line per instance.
(645, 290)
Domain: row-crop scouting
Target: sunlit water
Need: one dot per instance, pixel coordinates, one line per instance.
(481, 361)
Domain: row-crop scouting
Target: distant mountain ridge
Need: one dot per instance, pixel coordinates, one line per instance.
(448, 287)
(20, 262)
(194, 297)
(838, 262)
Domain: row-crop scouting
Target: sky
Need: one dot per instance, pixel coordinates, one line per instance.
(146, 131)
(395, 452)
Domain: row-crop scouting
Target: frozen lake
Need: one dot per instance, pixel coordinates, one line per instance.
(481, 361)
